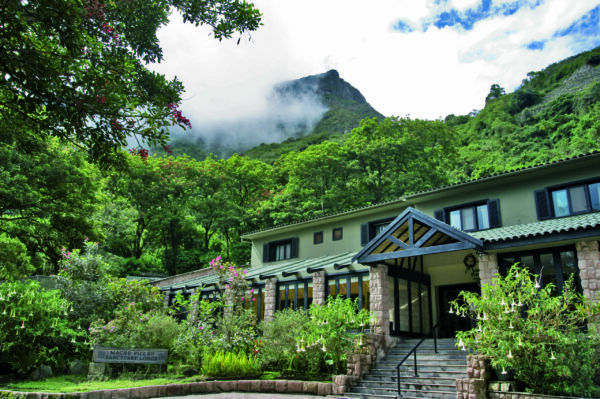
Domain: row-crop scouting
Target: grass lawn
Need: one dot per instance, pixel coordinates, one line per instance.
(70, 383)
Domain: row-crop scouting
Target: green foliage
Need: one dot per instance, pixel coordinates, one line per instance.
(279, 350)
(222, 324)
(198, 327)
(314, 342)
(35, 328)
(533, 332)
(47, 192)
(224, 364)
(14, 261)
(496, 91)
(330, 334)
(93, 88)
(134, 328)
(86, 282)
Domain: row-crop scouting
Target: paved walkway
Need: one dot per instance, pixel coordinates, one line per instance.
(238, 395)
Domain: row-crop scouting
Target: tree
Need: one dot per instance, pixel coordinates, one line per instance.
(47, 192)
(76, 69)
(317, 183)
(395, 156)
(496, 91)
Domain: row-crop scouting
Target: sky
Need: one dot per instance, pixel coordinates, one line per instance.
(419, 58)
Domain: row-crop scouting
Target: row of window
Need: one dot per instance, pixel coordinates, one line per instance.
(336, 235)
(577, 198)
(556, 201)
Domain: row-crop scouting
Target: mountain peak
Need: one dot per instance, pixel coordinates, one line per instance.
(328, 86)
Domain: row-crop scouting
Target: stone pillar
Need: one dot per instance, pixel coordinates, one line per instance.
(319, 289)
(488, 267)
(588, 259)
(380, 299)
(270, 298)
(475, 385)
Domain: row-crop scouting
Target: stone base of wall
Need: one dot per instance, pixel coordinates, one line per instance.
(159, 391)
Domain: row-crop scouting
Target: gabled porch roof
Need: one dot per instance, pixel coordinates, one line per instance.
(414, 234)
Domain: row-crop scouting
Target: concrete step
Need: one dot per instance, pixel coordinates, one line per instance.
(437, 373)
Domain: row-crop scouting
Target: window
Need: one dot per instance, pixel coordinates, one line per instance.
(350, 286)
(480, 215)
(581, 197)
(369, 231)
(555, 265)
(297, 294)
(280, 250)
(337, 234)
(318, 238)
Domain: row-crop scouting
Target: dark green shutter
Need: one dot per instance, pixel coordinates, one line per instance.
(494, 213)
(265, 253)
(364, 234)
(294, 251)
(542, 204)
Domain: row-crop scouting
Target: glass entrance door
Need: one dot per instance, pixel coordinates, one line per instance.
(411, 308)
(453, 322)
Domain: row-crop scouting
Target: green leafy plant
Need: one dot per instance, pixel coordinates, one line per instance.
(225, 364)
(531, 331)
(35, 328)
(279, 350)
(135, 329)
(335, 328)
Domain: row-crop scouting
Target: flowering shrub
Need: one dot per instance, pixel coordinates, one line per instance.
(222, 324)
(332, 331)
(525, 329)
(279, 349)
(317, 341)
(35, 328)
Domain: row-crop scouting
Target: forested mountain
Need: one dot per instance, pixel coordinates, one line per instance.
(172, 214)
(299, 113)
(554, 114)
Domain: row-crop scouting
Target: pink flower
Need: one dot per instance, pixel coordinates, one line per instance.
(242, 299)
(201, 328)
(235, 273)
(252, 290)
(244, 271)
(253, 299)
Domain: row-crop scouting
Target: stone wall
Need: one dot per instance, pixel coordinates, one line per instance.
(588, 259)
(159, 391)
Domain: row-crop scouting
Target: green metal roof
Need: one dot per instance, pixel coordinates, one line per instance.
(537, 229)
(282, 270)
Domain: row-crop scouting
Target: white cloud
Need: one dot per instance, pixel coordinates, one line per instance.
(425, 74)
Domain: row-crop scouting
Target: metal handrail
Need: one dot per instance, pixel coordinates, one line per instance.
(413, 352)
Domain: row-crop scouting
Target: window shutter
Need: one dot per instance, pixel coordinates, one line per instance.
(439, 215)
(542, 204)
(294, 252)
(364, 234)
(265, 253)
(494, 212)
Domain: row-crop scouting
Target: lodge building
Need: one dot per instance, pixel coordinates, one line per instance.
(406, 259)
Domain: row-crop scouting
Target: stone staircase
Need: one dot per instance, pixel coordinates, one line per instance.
(437, 372)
